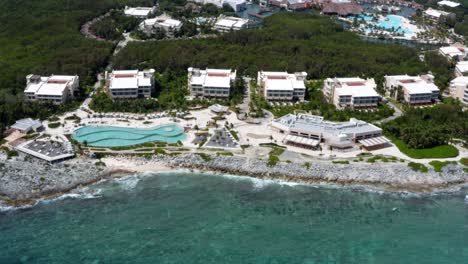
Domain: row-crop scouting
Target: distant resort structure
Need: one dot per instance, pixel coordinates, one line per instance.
(55, 89)
(140, 12)
(165, 22)
(455, 52)
(226, 24)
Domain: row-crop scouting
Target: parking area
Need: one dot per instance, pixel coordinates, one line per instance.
(221, 139)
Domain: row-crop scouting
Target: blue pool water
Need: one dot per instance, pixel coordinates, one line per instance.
(391, 21)
(111, 136)
(395, 22)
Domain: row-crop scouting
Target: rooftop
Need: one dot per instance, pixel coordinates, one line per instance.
(138, 11)
(415, 84)
(27, 124)
(130, 79)
(435, 13)
(282, 80)
(355, 86)
(463, 80)
(53, 85)
(462, 66)
(453, 51)
(212, 77)
(448, 3)
(317, 124)
(231, 22)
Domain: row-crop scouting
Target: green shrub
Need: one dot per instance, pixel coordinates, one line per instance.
(417, 167)
(159, 151)
(224, 153)
(204, 156)
(272, 160)
(464, 161)
(340, 162)
(54, 125)
(438, 165)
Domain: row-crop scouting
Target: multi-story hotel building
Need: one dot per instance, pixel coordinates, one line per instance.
(56, 89)
(131, 84)
(459, 89)
(282, 86)
(351, 92)
(210, 83)
(416, 89)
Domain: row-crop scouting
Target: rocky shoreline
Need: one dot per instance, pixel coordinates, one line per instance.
(394, 177)
(24, 181)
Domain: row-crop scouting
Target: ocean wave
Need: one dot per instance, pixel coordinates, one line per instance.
(84, 193)
(129, 182)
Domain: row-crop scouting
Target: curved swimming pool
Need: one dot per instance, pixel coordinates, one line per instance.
(112, 136)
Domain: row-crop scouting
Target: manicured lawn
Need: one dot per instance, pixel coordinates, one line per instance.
(439, 152)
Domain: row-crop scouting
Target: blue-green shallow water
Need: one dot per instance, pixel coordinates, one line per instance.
(188, 218)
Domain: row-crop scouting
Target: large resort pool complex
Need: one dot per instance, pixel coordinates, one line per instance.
(111, 136)
(388, 23)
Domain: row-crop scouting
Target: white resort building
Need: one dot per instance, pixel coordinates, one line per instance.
(416, 89)
(170, 26)
(454, 52)
(56, 89)
(351, 92)
(282, 86)
(210, 83)
(448, 3)
(435, 15)
(226, 24)
(26, 125)
(461, 69)
(308, 131)
(140, 12)
(237, 5)
(131, 84)
(459, 89)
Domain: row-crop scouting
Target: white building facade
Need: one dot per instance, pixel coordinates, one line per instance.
(459, 89)
(210, 83)
(226, 24)
(128, 84)
(170, 26)
(55, 89)
(309, 131)
(454, 52)
(416, 89)
(140, 12)
(351, 92)
(282, 86)
(461, 69)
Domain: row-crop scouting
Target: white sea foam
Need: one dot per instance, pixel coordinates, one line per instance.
(128, 182)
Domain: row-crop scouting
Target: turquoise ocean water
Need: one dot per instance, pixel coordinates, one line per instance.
(195, 218)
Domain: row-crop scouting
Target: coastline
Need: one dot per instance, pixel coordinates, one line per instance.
(392, 178)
